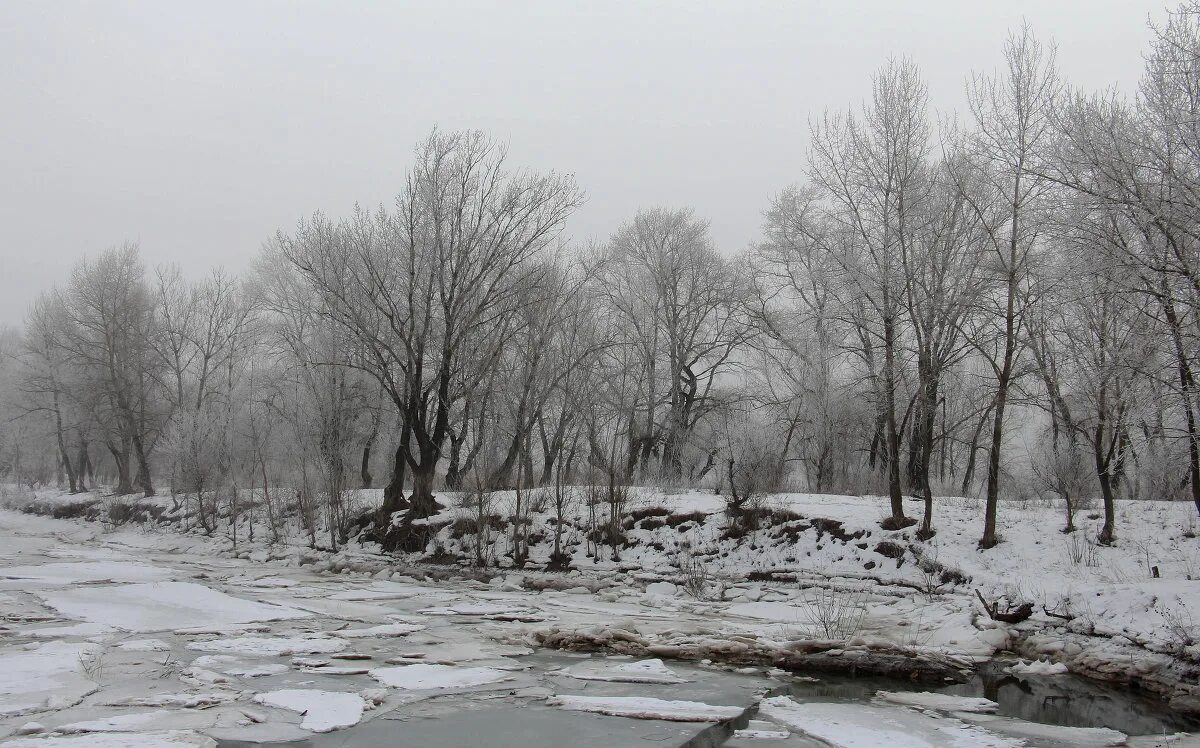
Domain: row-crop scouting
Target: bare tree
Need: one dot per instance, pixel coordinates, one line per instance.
(1013, 112)
(685, 306)
(110, 323)
(419, 288)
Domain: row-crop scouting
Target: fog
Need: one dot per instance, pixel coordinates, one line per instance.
(200, 132)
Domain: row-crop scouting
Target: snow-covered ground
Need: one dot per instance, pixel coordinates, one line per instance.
(178, 639)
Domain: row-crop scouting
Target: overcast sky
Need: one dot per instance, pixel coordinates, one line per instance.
(199, 129)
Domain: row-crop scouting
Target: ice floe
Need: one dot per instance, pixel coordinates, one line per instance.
(271, 646)
(387, 629)
(49, 676)
(848, 725)
(642, 671)
(161, 606)
(323, 711)
(169, 739)
(640, 707)
(422, 677)
(230, 665)
(1038, 667)
(938, 701)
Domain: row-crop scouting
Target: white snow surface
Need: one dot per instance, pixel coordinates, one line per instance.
(641, 707)
(324, 711)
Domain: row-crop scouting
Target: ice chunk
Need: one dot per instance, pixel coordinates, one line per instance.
(639, 707)
(759, 730)
(162, 606)
(62, 574)
(939, 701)
(1038, 667)
(642, 671)
(145, 645)
(388, 629)
(271, 646)
(169, 739)
(324, 711)
(230, 665)
(117, 723)
(181, 700)
(420, 676)
(1081, 737)
(49, 675)
(870, 726)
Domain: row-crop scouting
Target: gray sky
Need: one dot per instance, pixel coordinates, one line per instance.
(201, 128)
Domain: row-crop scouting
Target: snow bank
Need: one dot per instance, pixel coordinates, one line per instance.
(640, 707)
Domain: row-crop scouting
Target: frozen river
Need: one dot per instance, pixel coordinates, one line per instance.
(153, 639)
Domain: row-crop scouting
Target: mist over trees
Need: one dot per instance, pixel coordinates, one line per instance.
(1003, 305)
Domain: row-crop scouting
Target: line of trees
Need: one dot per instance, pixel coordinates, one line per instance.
(1001, 305)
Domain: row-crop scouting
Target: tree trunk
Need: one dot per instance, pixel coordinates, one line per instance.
(364, 470)
(989, 538)
(1187, 385)
(65, 458)
(143, 466)
(895, 496)
(121, 458)
(422, 503)
(393, 493)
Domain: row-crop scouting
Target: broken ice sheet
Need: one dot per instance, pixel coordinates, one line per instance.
(162, 606)
(64, 574)
(323, 711)
(48, 676)
(387, 629)
(642, 671)
(169, 739)
(271, 646)
(640, 707)
(230, 665)
(421, 677)
(848, 725)
(939, 701)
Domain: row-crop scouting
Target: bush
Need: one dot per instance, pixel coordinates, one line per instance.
(835, 612)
